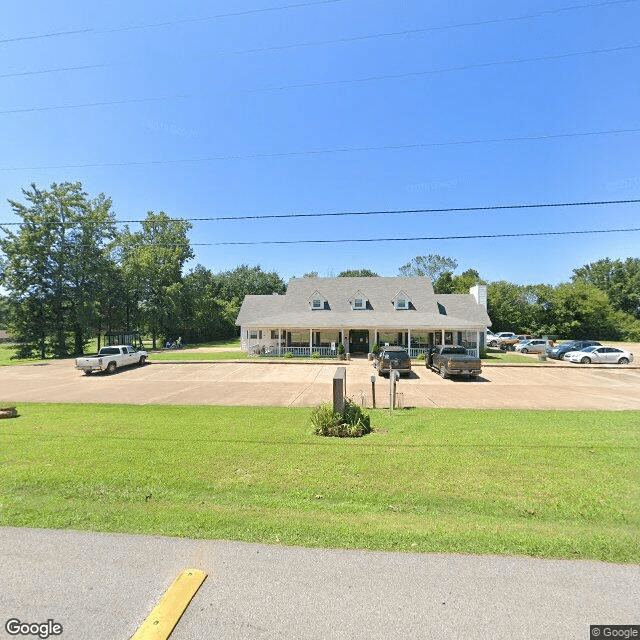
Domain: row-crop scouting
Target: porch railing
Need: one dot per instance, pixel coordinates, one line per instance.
(414, 352)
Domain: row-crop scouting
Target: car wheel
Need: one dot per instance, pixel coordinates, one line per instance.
(524, 350)
(111, 367)
(443, 373)
(586, 360)
(623, 361)
(88, 372)
(142, 360)
(493, 343)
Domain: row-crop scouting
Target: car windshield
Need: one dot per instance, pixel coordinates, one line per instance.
(592, 348)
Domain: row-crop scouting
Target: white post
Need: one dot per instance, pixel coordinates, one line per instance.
(478, 342)
(310, 341)
(442, 332)
(409, 342)
(280, 341)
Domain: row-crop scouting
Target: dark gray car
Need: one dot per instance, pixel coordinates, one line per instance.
(393, 358)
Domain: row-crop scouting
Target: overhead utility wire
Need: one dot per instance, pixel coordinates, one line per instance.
(317, 43)
(168, 23)
(270, 216)
(470, 237)
(324, 83)
(312, 152)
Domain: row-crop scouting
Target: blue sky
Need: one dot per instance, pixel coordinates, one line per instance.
(222, 86)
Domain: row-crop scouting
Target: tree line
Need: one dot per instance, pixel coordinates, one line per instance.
(70, 274)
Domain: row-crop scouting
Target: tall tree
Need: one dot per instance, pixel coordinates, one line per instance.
(53, 264)
(152, 261)
(431, 266)
(619, 280)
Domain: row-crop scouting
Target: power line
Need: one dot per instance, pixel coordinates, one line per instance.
(421, 238)
(499, 207)
(167, 23)
(346, 40)
(312, 152)
(324, 83)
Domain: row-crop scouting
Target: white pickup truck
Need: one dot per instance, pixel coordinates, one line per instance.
(111, 358)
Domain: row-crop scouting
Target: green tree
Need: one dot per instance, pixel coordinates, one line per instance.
(619, 280)
(431, 266)
(152, 260)
(310, 274)
(357, 273)
(53, 264)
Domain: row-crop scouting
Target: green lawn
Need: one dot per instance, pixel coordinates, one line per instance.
(547, 484)
(7, 349)
(508, 356)
(196, 355)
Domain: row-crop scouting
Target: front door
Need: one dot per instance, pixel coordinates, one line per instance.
(358, 341)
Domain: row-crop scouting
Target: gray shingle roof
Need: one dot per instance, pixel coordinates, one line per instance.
(428, 310)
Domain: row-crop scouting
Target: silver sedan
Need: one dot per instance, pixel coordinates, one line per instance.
(600, 355)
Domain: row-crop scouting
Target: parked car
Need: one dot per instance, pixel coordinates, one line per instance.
(559, 350)
(450, 360)
(600, 355)
(537, 345)
(497, 337)
(392, 358)
(111, 358)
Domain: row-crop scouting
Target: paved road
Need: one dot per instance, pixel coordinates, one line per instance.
(102, 586)
(307, 384)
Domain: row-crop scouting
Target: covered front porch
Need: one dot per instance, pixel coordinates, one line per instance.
(268, 341)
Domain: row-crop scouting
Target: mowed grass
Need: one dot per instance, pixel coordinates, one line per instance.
(7, 349)
(546, 484)
(198, 355)
(509, 356)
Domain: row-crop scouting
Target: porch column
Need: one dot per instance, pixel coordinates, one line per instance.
(345, 339)
(409, 341)
(310, 341)
(478, 342)
(280, 341)
(442, 336)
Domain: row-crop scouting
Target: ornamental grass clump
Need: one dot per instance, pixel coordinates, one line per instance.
(352, 422)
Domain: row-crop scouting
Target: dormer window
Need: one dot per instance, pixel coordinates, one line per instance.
(401, 301)
(358, 301)
(317, 301)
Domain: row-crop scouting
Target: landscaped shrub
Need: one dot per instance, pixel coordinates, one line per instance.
(341, 349)
(421, 356)
(352, 422)
(288, 354)
(315, 355)
(375, 349)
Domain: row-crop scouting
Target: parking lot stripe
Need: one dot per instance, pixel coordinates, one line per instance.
(164, 617)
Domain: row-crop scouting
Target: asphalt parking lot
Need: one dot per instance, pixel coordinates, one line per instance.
(263, 383)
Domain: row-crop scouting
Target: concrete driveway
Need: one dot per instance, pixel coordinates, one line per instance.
(255, 382)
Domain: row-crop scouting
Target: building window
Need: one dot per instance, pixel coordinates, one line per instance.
(357, 303)
(253, 334)
(317, 304)
(401, 303)
(274, 334)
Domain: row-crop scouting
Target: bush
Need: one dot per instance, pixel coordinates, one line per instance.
(421, 356)
(341, 349)
(288, 354)
(315, 355)
(375, 349)
(352, 422)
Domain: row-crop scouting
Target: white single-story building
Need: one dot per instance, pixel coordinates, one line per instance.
(317, 314)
